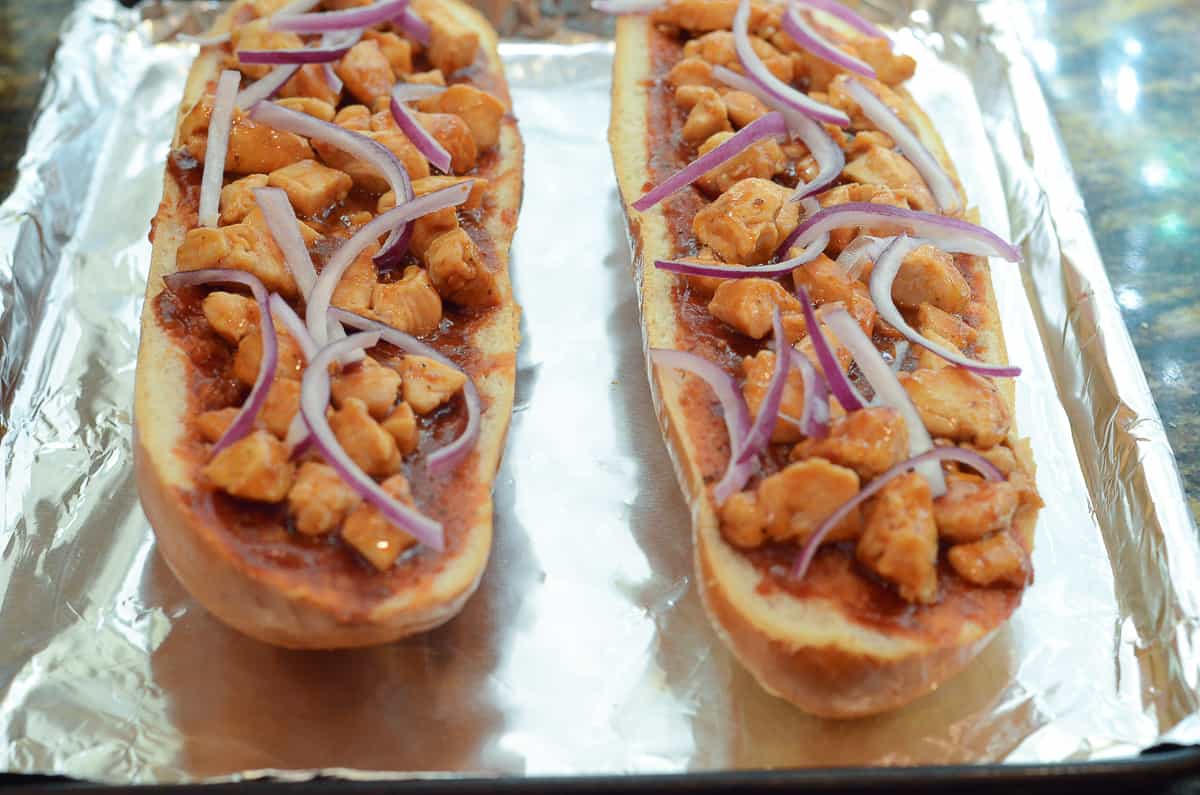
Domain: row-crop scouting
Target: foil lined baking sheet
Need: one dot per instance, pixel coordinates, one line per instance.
(586, 649)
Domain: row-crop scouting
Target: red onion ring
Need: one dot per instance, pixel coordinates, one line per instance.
(808, 37)
(733, 405)
(284, 315)
(331, 79)
(627, 6)
(836, 9)
(829, 156)
(414, 27)
(365, 17)
(330, 49)
(768, 126)
(421, 138)
(244, 421)
(860, 251)
(760, 74)
(314, 399)
(267, 87)
(838, 381)
(331, 274)
(882, 278)
(934, 456)
(900, 353)
(759, 436)
(944, 191)
(814, 420)
(285, 229)
(745, 271)
(219, 130)
(444, 458)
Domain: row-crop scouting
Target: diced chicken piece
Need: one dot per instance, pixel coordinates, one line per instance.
(363, 175)
(927, 359)
(231, 315)
(812, 69)
(253, 148)
(429, 184)
(827, 283)
(891, 68)
(433, 77)
(402, 425)
(213, 424)
(281, 405)
(480, 110)
(931, 320)
(258, 36)
(998, 560)
(247, 246)
(701, 16)
(319, 499)
(692, 72)
(747, 222)
(246, 362)
(202, 247)
(972, 508)
(455, 137)
(686, 96)
(357, 284)
(703, 286)
(747, 305)
(452, 46)
(706, 118)
(859, 143)
(366, 72)
(237, 198)
(404, 149)
(429, 227)
(255, 467)
(889, 168)
(763, 160)
(899, 540)
(364, 439)
(398, 51)
(317, 108)
(929, 275)
(717, 49)
(758, 370)
(411, 304)
(368, 530)
(743, 108)
(310, 82)
(354, 117)
(958, 405)
(843, 194)
(312, 187)
(459, 272)
(791, 504)
(370, 382)
(428, 384)
(840, 99)
(870, 441)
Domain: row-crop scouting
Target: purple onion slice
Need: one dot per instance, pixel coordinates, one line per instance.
(351, 18)
(808, 37)
(219, 130)
(768, 411)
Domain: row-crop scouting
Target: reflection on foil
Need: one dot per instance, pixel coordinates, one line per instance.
(586, 649)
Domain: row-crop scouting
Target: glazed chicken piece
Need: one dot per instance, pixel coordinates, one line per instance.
(310, 82)
(458, 271)
(364, 440)
(402, 425)
(762, 160)
(319, 499)
(844, 194)
(889, 168)
(311, 187)
(791, 504)
(870, 441)
(747, 222)
(363, 175)
(357, 285)
(257, 35)
(452, 46)
(891, 69)
(253, 148)
(237, 198)
(717, 48)
(706, 118)
(958, 405)
(411, 304)
(972, 508)
(827, 283)
(396, 50)
(317, 108)
(246, 246)
(255, 467)
(928, 360)
(231, 315)
(478, 109)
(931, 320)
(428, 383)
(692, 72)
(354, 117)
(928, 275)
(280, 406)
(246, 362)
(748, 304)
(840, 99)
(743, 108)
(372, 383)
(433, 77)
(213, 424)
(701, 16)
(455, 137)
(899, 540)
(998, 559)
(368, 530)
(757, 371)
(366, 72)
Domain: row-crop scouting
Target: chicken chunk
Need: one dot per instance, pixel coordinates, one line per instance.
(899, 540)
(319, 499)
(246, 362)
(309, 82)
(748, 222)
(237, 198)
(889, 168)
(257, 35)
(411, 304)
(972, 508)
(361, 173)
(231, 315)
(791, 504)
(213, 424)
(255, 467)
(246, 246)
(686, 96)
(928, 275)
(430, 184)
(368, 530)
(396, 50)
(317, 108)
(701, 16)
(459, 272)
(931, 320)
(717, 48)
(827, 283)
(364, 439)
(748, 304)
(357, 285)
(743, 108)
(706, 118)
(280, 407)
(253, 148)
(354, 117)
(757, 371)
(312, 187)
(812, 69)
(433, 77)
(692, 72)
(402, 425)
(839, 98)
(452, 46)
(763, 160)
(366, 72)
(372, 383)
(927, 359)
(958, 405)
(997, 560)
(891, 68)
(870, 441)
(428, 383)
(455, 137)
(480, 110)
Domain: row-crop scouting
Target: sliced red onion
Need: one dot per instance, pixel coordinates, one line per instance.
(933, 457)
(267, 87)
(769, 126)
(808, 37)
(733, 405)
(829, 156)
(421, 138)
(219, 127)
(745, 271)
(375, 154)
(888, 389)
(285, 316)
(814, 420)
(323, 22)
(627, 6)
(314, 399)
(331, 274)
(285, 228)
(297, 7)
(760, 74)
(949, 234)
(944, 191)
(330, 49)
(331, 79)
(244, 420)
(444, 458)
(205, 40)
(836, 9)
(899, 354)
(768, 411)
(414, 27)
(884, 275)
(860, 251)
(838, 381)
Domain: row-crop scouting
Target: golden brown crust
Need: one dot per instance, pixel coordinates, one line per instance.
(811, 651)
(272, 603)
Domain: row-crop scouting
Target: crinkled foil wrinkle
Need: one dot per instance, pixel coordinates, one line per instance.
(586, 649)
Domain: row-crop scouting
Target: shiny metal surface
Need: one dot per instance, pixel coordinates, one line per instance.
(586, 649)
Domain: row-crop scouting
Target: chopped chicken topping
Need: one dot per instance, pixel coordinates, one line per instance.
(246, 246)
(396, 50)
(452, 45)
(428, 384)
(758, 370)
(899, 540)
(411, 304)
(253, 148)
(827, 283)
(748, 304)
(701, 16)
(246, 362)
(312, 187)
(364, 440)
(480, 110)
(928, 275)
(743, 108)
(870, 441)
(402, 425)
(317, 108)
(889, 168)
(958, 405)
(748, 222)
(368, 530)
(257, 35)
(998, 559)
(891, 68)
(931, 320)
(281, 404)
(791, 504)
(357, 285)
(706, 118)
(319, 499)
(762, 160)
(927, 359)
(372, 383)
(231, 315)
(310, 82)
(458, 271)
(237, 198)
(717, 48)
(971, 508)
(692, 72)
(454, 135)
(366, 71)
(255, 467)
(213, 424)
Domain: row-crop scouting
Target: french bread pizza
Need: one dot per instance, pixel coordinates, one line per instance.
(328, 342)
(824, 348)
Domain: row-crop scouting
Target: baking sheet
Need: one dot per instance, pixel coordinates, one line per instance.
(586, 649)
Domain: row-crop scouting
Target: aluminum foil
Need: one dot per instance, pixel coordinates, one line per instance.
(586, 649)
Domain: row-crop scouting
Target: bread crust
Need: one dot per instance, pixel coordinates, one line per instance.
(809, 650)
(273, 603)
